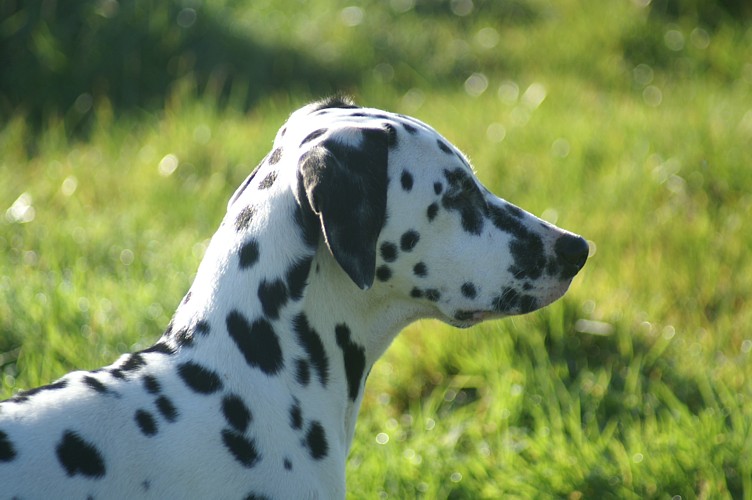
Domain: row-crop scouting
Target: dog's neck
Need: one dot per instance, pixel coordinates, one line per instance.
(330, 333)
(371, 318)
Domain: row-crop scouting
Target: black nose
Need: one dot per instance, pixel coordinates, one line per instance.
(572, 251)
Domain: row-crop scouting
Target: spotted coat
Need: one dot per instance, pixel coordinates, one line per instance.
(357, 223)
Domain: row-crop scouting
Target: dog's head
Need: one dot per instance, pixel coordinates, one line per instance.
(399, 208)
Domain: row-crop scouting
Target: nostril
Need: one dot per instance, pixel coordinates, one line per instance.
(572, 250)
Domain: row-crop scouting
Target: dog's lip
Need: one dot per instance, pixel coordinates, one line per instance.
(466, 318)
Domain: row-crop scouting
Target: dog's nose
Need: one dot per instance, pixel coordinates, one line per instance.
(572, 251)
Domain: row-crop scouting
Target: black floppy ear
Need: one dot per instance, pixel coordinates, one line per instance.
(344, 184)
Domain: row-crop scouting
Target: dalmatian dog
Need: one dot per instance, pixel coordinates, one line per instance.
(357, 223)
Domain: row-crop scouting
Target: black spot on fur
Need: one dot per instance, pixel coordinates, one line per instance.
(202, 327)
(268, 181)
(552, 267)
(409, 240)
(244, 218)
(472, 221)
(117, 373)
(184, 337)
(95, 384)
(416, 293)
(146, 422)
(383, 273)
(464, 315)
(354, 358)
(460, 181)
(296, 416)
(249, 253)
(388, 251)
(151, 384)
(166, 408)
(410, 128)
(406, 180)
(198, 378)
(316, 441)
(275, 156)
(528, 303)
(242, 448)
(508, 221)
(310, 341)
(287, 464)
(273, 295)
(431, 212)
(313, 135)
(133, 363)
(258, 342)
(437, 187)
(236, 412)
(302, 372)
(256, 496)
(507, 301)
(468, 290)
(420, 270)
(297, 277)
(444, 147)
(379, 116)
(25, 395)
(7, 451)
(79, 457)
(465, 197)
(433, 295)
(529, 257)
(160, 348)
(515, 211)
(187, 297)
(60, 384)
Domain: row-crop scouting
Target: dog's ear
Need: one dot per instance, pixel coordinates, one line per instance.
(343, 181)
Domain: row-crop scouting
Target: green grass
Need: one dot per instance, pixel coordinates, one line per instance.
(528, 407)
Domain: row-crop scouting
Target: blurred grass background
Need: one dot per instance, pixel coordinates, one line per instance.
(125, 126)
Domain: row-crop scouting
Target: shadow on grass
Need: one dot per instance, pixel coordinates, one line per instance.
(633, 363)
(62, 59)
(711, 13)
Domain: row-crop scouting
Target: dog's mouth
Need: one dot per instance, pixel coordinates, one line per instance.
(509, 303)
(468, 318)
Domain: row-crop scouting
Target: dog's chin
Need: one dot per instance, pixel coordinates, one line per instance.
(554, 294)
(466, 319)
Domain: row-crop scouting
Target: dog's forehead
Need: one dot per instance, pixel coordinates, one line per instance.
(351, 114)
(308, 124)
(311, 125)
